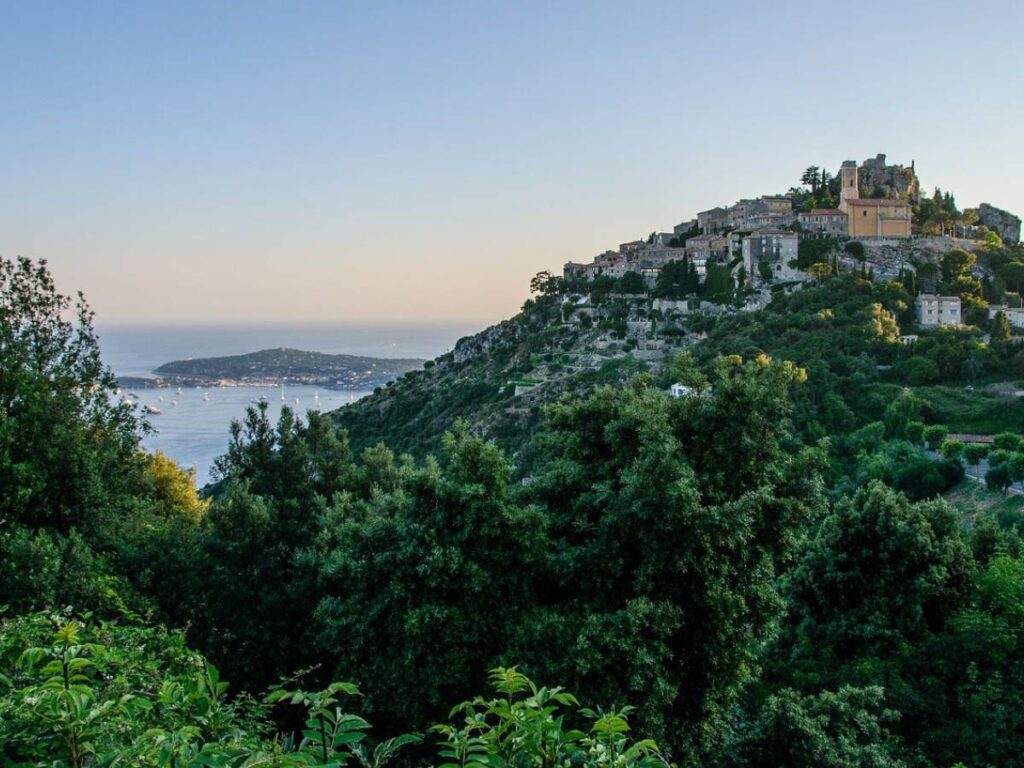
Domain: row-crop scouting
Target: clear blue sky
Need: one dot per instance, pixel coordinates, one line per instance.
(366, 161)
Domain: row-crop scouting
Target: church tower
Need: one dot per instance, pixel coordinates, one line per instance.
(849, 184)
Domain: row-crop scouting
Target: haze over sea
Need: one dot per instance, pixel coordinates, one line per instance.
(194, 431)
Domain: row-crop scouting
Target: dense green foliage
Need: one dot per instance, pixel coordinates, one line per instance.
(761, 567)
(111, 693)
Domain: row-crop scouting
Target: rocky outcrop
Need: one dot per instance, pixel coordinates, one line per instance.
(887, 256)
(1003, 223)
(471, 347)
(880, 180)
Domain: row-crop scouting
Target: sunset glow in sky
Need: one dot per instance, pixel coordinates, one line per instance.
(344, 161)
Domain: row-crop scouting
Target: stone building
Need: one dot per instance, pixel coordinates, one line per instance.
(765, 211)
(777, 248)
(932, 310)
(870, 217)
(684, 227)
(737, 214)
(878, 218)
(823, 222)
(706, 248)
(644, 258)
(1003, 223)
(1015, 315)
(712, 221)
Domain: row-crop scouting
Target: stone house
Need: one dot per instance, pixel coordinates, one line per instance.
(712, 221)
(777, 248)
(705, 249)
(823, 222)
(683, 227)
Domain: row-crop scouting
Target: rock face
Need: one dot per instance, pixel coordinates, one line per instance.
(1003, 223)
(887, 256)
(471, 347)
(880, 180)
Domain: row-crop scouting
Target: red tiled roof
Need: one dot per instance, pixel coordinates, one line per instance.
(876, 201)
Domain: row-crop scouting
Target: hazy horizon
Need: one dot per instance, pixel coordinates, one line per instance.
(412, 163)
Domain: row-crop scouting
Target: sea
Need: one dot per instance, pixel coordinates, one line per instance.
(192, 427)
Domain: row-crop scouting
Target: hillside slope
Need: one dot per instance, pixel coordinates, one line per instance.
(499, 380)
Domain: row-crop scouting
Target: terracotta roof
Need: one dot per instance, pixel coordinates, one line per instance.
(876, 201)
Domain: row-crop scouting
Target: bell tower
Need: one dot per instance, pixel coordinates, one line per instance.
(849, 183)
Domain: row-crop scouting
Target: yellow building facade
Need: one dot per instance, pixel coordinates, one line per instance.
(870, 217)
(878, 218)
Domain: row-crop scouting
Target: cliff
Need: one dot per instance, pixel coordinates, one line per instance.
(894, 181)
(1003, 223)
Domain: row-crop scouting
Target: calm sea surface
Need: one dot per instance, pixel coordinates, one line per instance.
(192, 428)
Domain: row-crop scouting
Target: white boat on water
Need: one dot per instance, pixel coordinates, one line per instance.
(152, 410)
(206, 396)
(177, 391)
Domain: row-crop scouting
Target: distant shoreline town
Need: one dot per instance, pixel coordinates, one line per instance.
(275, 367)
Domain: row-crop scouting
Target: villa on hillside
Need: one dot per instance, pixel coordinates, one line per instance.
(1015, 315)
(932, 310)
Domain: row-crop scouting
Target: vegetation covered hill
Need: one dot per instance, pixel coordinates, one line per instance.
(291, 366)
(498, 381)
(764, 567)
(846, 331)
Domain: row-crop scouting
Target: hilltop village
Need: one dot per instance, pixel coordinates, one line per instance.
(906, 287)
(870, 217)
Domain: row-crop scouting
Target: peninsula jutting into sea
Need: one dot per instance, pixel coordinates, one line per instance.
(511, 385)
(270, 367)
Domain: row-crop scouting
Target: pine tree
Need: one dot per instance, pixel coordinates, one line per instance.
(1000, 327)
